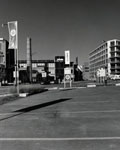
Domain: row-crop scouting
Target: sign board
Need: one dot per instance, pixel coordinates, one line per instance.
(101, 72)
(15, 73)
(60, 60)
(98, 73)
(67, 57)
(67, 76)
(44, 75)
(67, 71)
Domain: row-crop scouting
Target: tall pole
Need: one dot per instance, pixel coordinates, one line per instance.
(13, 44)
(17, 61)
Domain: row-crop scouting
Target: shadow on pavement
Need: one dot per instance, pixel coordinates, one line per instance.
(66, 89)
(31, 108)
(35, 107)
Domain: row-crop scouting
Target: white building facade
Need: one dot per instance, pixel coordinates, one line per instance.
(106, 56)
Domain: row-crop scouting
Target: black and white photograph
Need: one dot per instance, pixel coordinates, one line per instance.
(59, 74)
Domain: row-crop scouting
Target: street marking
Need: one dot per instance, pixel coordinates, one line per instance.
(94, 102)
(61, 139)
(63, 112)
(89, 111)
(100, 111)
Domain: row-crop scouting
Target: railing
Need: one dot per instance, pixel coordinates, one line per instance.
(116, 45)
(115, 61)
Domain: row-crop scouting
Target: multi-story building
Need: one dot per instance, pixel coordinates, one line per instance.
(6, 62)
(106, 56)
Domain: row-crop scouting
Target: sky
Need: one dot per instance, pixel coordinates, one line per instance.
(58, 25)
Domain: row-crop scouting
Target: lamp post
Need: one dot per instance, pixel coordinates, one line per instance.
(13, 44)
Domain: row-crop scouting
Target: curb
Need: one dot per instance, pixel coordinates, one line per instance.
(4, 95)
(23, 94)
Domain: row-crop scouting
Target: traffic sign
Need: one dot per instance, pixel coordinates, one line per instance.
(67, 71)
(67, 77)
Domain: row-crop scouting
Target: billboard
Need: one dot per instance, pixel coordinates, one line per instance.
(67, 57)
(101, 72)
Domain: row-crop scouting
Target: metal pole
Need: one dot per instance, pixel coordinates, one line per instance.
(17, 67)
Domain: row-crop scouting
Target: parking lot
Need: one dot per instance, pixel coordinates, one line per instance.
(66, 119)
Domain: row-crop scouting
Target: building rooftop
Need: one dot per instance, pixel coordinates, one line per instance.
(103, 43)
(37, 61)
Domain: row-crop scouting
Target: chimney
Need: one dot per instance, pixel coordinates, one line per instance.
(29, 59)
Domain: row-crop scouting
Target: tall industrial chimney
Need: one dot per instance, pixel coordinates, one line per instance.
(29, 59)
(76, 60)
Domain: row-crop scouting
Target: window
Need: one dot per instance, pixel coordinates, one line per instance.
(118, 43)
(52, 71)
(34, 65)
(23, 65)
(112, 48)
(112, 43)
(40, 64)
(51, 65)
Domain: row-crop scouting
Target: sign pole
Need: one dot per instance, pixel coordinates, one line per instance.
(16, 67)
(13, 44)
(17, 58)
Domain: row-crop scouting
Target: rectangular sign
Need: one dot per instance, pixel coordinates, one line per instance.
(101, 72)
(67, 71)
(13, 35)
(67, 57)
(44, 75)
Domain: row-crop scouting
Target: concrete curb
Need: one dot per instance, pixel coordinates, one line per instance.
(4, 95)
(91, 85)
(23, 94)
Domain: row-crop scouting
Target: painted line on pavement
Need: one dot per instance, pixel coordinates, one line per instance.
(91, 111)
(79, 112)
(61, 139)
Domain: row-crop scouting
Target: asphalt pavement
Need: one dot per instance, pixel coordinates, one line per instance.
(66, 119)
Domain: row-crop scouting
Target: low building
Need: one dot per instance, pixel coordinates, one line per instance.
(41, 69)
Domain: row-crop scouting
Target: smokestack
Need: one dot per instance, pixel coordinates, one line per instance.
(76, 60)
(29, 59)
